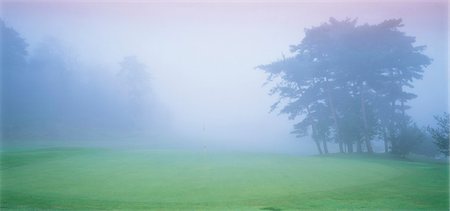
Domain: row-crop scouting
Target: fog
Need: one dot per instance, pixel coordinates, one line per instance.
(204, 90)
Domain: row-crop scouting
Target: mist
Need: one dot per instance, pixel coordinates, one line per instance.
(201, 88)
(214, 105)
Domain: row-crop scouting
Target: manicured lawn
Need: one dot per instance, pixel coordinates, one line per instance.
(85, 179)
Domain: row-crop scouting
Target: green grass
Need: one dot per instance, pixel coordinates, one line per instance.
(87, 179)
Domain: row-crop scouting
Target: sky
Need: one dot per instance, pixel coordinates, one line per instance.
(202, 54)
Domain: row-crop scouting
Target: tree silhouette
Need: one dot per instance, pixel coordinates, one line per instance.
(441, 133)
(354, 75)
(13, 66)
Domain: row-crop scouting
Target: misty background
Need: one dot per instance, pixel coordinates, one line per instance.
(184, 74)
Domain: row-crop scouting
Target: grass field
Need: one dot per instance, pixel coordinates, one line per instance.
(87, 179)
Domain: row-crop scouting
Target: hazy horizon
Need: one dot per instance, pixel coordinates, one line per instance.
(202, 56)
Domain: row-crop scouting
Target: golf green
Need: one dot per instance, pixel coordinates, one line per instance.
(87, 179)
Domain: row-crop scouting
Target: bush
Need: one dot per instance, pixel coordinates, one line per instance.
(408, 137)
(440, 134)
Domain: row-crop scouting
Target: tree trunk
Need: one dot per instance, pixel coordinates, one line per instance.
(402, 105)
(333, 113)
(336, 125)
(366, 125)
(316, 141)
(314, 134)
(325, 147)
(385, 138)
(350, 148)
(318, 147)
(358, 146)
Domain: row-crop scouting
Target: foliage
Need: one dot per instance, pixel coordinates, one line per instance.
(135, 79)
(408, 137)
(426, 148)
(50, 93)
(13, 65)
(13, 49)
(349, 79)
(441, 133)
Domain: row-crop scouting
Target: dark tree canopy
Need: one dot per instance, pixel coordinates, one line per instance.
(346, 81)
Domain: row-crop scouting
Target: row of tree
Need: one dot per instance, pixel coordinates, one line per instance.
(48, 93)
(347, 83)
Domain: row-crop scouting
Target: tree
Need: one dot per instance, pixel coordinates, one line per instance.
(13, 65)
(345, 68)
(51, 68)
(51, 94)
(441, 132)
(137, 84)
(304, 95)
(407, 138)
(13, 51)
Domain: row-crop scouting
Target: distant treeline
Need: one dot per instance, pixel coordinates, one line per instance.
(48, 93)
